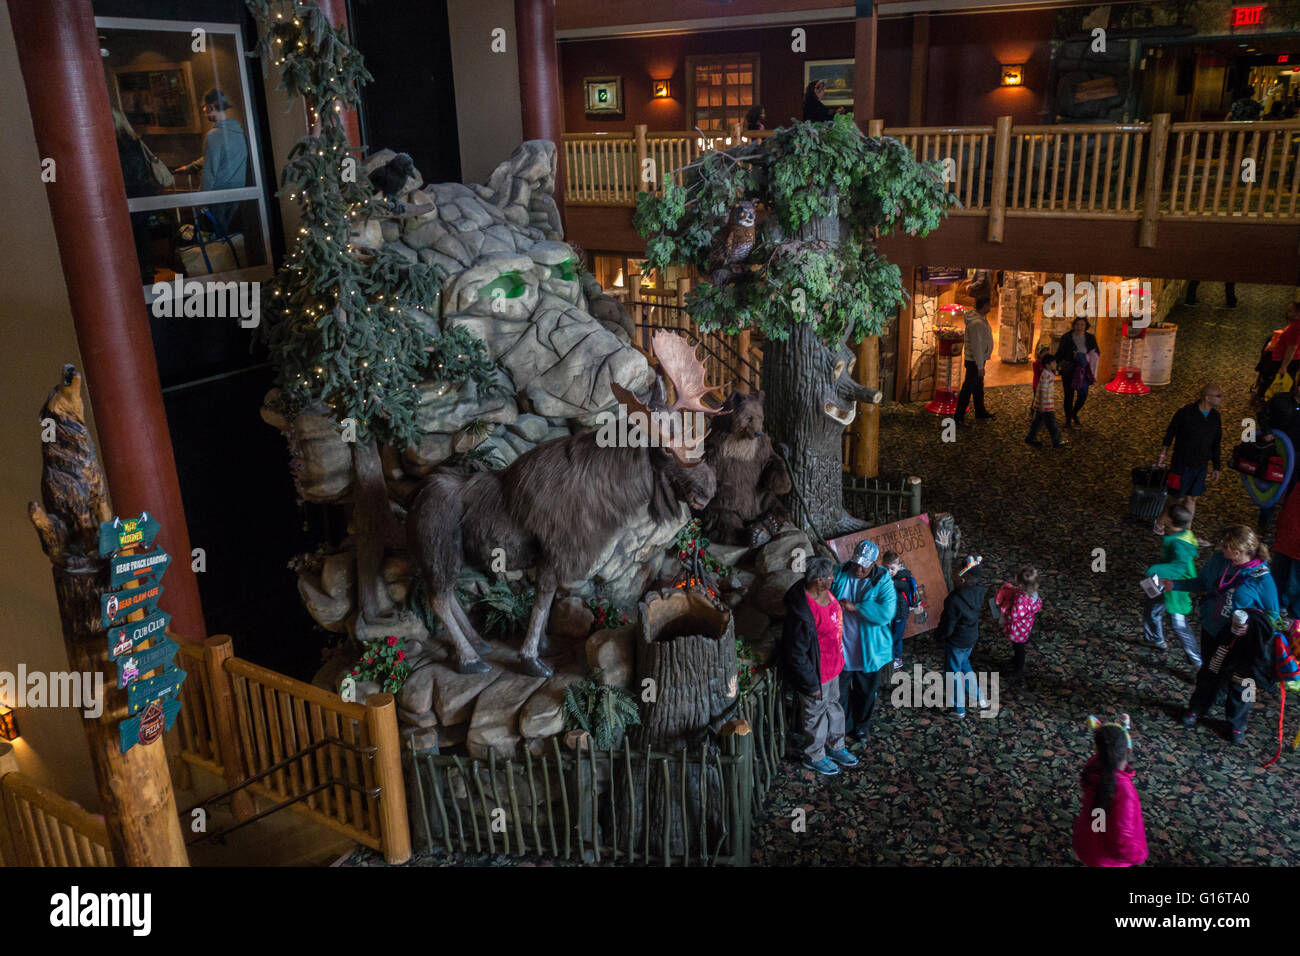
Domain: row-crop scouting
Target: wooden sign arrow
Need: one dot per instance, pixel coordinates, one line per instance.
(124, 638)
(149, 726)
(140, 693)
(127, 533)
(132, 666)
(128, 567)
(115, 605)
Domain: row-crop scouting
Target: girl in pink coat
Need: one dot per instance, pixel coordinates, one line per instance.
(1108, 830)
(1019, 604)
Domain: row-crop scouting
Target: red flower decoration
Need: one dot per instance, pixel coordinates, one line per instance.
(390, 641)
(401, 655)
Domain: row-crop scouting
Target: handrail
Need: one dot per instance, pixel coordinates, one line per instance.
(50, 830)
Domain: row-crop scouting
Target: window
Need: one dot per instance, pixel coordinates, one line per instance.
(187, 144)
(721, 89)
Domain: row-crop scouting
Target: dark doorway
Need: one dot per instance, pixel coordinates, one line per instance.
(411, 104)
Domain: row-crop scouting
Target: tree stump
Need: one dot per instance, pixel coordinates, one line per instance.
(687, 648)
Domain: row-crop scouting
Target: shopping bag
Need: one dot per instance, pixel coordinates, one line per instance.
(209, 252)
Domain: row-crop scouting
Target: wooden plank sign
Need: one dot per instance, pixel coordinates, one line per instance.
(128, 567)
(124, 638)
(127, 533)
(116, 605)
(914, 542)
(141, 692)
(131, 667)
(149, 726)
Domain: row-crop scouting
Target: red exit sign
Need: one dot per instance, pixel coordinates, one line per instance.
(1247, 16)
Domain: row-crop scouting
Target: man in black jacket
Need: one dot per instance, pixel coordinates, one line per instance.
(1195, 433)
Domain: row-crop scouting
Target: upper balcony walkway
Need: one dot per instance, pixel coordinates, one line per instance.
(1181, 200)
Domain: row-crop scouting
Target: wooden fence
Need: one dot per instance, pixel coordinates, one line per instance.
(342, 760)
(47, 830)
(1147, 171)
(880, 502)
(597, 806)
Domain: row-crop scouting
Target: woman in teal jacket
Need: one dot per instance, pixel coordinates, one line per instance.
(866, 593)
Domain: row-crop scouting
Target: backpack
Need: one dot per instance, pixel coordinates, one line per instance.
(905, 585)
(1281, 645)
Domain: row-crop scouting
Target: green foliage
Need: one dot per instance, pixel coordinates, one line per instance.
(605, 614)
(457, 355)
(801, 173)
(748, 668)
(345, 326)
(690, 543)
(604, 712)
(506, 609)
(385, 663)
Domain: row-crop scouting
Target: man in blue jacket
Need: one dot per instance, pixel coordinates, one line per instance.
(225, 156)
(866, 593)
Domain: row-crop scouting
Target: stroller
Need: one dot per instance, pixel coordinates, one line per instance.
(1147, 501)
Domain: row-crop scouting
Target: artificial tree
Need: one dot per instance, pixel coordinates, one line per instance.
(351, 329)
(813, 281)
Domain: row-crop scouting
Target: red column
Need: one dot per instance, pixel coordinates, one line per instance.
(864, 64)
(337, 13)
(64, 76)
(539, 80)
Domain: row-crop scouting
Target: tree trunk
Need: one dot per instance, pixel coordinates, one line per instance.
(688, 649)
(375, 531)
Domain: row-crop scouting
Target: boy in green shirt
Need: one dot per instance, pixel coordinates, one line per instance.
(1177, 563)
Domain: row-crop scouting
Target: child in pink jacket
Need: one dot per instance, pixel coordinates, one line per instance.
(1108, 830)
(1019, 604)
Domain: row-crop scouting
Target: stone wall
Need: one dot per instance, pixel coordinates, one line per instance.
(921, 385)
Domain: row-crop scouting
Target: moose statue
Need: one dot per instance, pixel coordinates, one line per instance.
(558, 505)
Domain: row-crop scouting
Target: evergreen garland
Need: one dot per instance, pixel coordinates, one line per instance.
(802, 172)
(347, 326)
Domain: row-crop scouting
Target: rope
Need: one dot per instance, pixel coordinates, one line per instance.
(1280, 714)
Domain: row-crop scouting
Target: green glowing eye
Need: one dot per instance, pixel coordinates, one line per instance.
(511, 284)
(565, 270)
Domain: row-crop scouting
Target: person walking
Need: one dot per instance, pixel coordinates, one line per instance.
(1044, 406)
(866, 593)
(1019, 603)
(1076, 358)
(979, 346)
(1235, 579)
(1282, 353)
(1195, 434)
(813, 655)
(959, 629)
(1177, 563)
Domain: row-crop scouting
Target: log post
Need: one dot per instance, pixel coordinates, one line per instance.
(876, 128)
(920, 69)
(742, 346)
(866, 447)
(1001, 163)
(642, 154)
(216, 651)
(135, 788)
(1155, 179)
(394, 828)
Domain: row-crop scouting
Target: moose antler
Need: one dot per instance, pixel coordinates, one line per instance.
(684, 369)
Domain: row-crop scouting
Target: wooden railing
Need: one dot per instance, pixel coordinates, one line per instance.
(48, 830)
(1148, 171)
(244, 719)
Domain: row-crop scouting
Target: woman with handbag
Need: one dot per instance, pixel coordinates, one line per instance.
(1077, 357)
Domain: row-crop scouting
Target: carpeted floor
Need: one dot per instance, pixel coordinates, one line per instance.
(932, 790)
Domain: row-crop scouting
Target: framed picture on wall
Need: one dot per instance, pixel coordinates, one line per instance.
(838, 76)
(158, 99)
(603, 95)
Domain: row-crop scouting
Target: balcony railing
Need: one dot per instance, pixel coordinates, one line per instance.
(1140, 171)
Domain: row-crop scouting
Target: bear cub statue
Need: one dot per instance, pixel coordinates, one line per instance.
(746, 509)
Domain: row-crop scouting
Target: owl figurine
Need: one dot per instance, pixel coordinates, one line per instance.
(732, 246)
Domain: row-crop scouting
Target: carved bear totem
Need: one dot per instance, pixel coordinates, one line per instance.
(746, 508)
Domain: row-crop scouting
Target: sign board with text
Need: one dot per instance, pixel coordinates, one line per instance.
(913, 539)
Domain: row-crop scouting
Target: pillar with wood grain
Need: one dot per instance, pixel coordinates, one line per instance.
(58, 52)
(539, 80)
(381, 728)
(920, 69)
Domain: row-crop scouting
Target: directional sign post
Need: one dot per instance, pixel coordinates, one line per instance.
(116, 605)
(132, 667)
(131, 566)
(152, 724)
(125, 638)
(140, 693)
(123, 533)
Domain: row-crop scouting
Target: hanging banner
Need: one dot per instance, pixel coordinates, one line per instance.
(149, 726)
(125, 638)
(141, 692)
(127, 533)
(132, 666)
(118, 604)
(128, 567)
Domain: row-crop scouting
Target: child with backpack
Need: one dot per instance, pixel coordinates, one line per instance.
(959, 629)
(1109, 830)
(906, 598)
(1177, 563)
(1018, 605)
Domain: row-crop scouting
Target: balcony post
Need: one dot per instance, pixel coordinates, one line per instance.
(1001, 160)
(876, 127)
(1155, 179)
(539, 81)
(642, 154)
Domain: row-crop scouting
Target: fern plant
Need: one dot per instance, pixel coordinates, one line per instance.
(603, 711)
(506, 609)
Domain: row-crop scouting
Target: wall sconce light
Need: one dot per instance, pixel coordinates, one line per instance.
(8, 724)
(661, 89)
(1013, 74)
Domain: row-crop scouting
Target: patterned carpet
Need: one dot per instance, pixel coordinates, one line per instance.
(932, 790)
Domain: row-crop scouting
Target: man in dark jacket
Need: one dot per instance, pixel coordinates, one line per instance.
(812, 648)
(1195, 433)
(959, 629)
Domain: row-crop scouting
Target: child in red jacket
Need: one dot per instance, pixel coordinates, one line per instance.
(1108, 830)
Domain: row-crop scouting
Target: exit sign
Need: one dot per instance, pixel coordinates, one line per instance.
(1247, 16)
